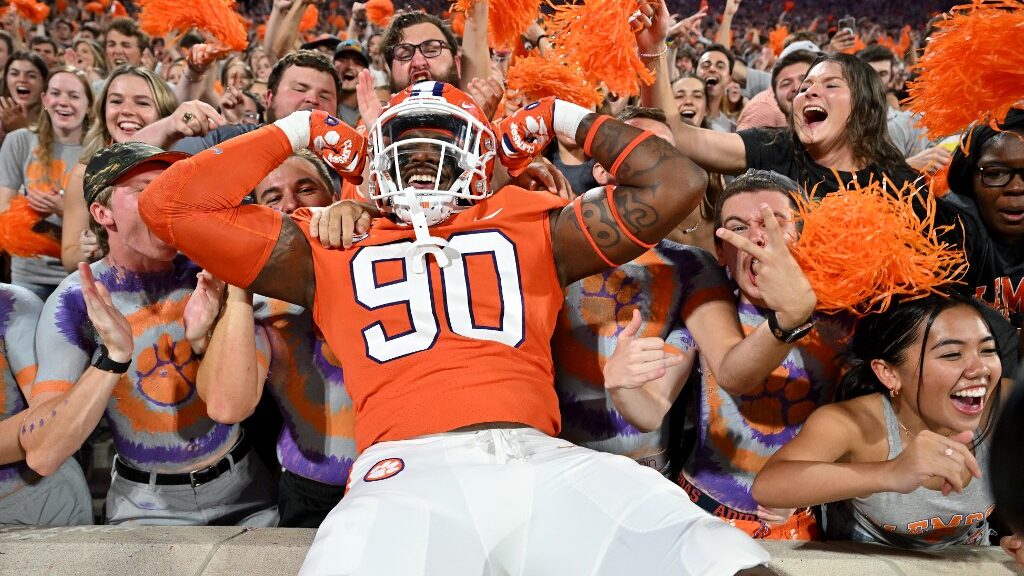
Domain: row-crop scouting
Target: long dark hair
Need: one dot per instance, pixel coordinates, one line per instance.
(889, 335)
(867, 129)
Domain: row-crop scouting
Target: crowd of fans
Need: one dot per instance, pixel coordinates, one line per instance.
(704, 358)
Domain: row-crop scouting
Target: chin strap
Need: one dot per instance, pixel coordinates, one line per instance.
(424, 243)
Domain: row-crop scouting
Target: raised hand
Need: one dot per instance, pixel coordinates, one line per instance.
(338, 144)
(201, 56)
(523, 135)
(487, 92)
(935, 462)
(231, 105)
(12, 115)
(783, 285)
(111, 326)
(202, 309)
(194, 118)
(654, 20)
(337, 225)
(369, 104)
(690, 25)
(637, 361)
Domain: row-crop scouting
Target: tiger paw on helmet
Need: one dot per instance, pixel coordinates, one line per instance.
(338, 144)
(525, 134)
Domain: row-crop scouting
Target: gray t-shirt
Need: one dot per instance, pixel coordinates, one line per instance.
(21, 170)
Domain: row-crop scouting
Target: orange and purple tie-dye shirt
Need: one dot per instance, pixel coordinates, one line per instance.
(305, 378)
(158, 420)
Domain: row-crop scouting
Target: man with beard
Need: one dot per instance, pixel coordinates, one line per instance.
(419, 47)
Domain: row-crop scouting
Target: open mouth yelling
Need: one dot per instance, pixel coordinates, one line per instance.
(814, 116)
(712, 81)
(22, 91)
(969, 401)
(421, 76)
(349, 75)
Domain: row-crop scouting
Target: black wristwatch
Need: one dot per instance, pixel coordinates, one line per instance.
(788, 336)
(107, 365)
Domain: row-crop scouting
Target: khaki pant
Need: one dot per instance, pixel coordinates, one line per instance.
(61, 499)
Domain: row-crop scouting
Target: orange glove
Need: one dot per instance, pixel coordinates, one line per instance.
(340, 145)
(524, 134)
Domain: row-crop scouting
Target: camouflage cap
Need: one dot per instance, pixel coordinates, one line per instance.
(109, 164)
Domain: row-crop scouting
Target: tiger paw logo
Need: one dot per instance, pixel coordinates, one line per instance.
(167, 372)
(384, 469)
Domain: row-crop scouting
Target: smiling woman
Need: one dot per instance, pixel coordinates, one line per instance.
(900, 459)
(837, 129)
(21, 91)
(132, 97)
(36, 162)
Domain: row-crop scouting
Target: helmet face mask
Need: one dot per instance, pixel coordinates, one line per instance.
(432, 143)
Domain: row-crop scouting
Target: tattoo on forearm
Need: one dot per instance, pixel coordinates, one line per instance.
(600, 221)
(28, 427)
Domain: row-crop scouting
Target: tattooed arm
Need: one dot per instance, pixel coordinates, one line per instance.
(657, 188)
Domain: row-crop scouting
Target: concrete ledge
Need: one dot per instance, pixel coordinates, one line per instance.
(227, 551)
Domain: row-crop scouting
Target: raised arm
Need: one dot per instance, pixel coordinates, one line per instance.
(76, 220)
(657, 187)
(724, 35)
(476, 61)
(714, 151)
(195, 207)
(643, 379)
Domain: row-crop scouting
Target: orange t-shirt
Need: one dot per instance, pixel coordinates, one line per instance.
(430, 352)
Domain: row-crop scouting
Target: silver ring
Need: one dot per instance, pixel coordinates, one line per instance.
(187, 117)
(949, 452)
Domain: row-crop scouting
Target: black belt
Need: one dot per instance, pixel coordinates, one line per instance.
(194, 478)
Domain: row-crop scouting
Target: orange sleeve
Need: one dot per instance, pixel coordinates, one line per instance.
(194, 205)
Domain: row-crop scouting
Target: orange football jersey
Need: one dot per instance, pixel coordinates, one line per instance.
(470, 343)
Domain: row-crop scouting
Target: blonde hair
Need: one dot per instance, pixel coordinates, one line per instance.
(99, 136)
(44, 127)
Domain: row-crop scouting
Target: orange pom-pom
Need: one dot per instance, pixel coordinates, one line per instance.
(309, 18)
(777, 39)
(860, 247)
(951, 95)
(380, 11)
(61, 5)
(597, 34)
(458, 23)
(118, 10)
(94, 7)
(339, 22)
(17, 232)
(215, 17)
(788, 6)
(34, 12)
(506, 21)
(538, 77)
(261, 31)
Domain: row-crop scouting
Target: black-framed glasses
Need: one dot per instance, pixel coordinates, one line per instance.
(429, 49)
(997, 176)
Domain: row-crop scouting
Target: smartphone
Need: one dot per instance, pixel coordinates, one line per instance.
(848, 22)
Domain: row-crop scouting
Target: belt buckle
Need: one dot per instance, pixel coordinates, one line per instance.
(193, 478)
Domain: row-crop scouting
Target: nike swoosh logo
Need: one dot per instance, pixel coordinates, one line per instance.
(489, 216)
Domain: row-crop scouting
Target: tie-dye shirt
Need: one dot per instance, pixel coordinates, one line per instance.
(665, 283)
(19, 311)
(738, 434)
(305, 378)
(158, 420)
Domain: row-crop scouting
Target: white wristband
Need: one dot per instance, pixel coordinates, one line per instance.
(296, 128)
(566, 118)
